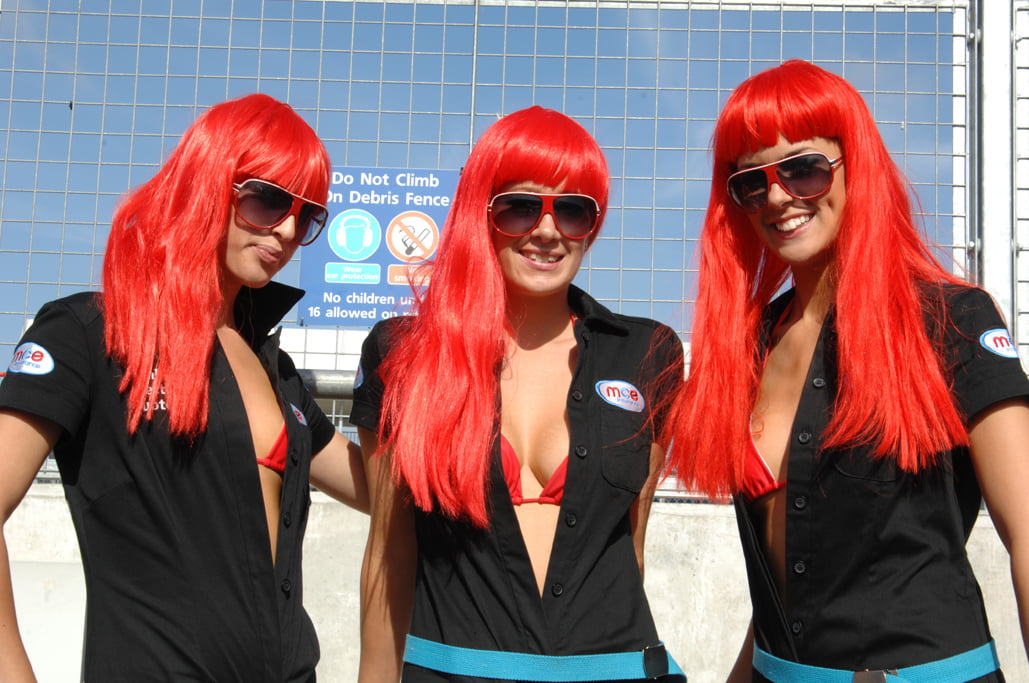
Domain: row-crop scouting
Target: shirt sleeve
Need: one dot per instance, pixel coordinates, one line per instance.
(986, 367)
(368, 385)
(667, 372)
(321, 427)
(51, 372)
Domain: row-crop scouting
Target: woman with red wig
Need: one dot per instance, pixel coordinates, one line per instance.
(184, 436)
(510, 426)
(858, 419)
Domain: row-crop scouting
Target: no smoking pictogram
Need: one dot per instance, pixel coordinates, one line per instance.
(412, 236)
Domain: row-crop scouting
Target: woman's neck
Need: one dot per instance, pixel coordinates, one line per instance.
(815, 292)
(536, 321)
(227, 312)
(230, 289)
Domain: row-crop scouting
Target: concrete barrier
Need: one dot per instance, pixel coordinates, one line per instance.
(694, 574)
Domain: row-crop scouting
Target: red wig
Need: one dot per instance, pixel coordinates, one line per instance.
(440, 411)
(880, 271)
(163, 266)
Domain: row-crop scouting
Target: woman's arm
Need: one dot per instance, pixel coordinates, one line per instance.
(639, 513)
(665, 366)
(999, 443)
(743, 669)
(338, 470)
(26, 441)
(388, 571)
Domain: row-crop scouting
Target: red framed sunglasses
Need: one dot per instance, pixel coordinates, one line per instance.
(518, 213)
(802, 176)
(264, 205)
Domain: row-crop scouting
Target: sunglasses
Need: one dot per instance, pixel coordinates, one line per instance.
(264, 205)
(802, 176)
(518, 213)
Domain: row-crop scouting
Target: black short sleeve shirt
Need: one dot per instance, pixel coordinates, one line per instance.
(876, 571)
(476, 587)
(180, 584)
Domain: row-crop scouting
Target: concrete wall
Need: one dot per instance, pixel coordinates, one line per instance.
(695, 579)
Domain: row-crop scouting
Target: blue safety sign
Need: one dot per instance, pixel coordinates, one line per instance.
(384, 224)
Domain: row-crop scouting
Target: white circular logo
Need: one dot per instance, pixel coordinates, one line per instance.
(998, 341)
(622, 394)
(298, 414)
(31, 359)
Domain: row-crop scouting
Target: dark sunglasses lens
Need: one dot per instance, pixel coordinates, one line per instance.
(516, 214)
(805, 176)
(575, 216)
(312, 220)
(749, 189)
(263, 205)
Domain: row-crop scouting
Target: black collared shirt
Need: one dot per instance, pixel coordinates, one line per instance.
(180, 584)
(476, 587)
(876, 571)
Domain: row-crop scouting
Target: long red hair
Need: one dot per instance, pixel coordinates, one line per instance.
(881, 270)
(161, 294)
(440, 412)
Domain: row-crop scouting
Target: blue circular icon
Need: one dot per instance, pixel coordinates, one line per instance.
(354, 235)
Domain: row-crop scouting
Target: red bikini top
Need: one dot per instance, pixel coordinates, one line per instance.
(758, 479)
(276, 458)
(551, 494)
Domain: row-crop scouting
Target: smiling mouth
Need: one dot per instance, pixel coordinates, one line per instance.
(793, 223)
(541, 258)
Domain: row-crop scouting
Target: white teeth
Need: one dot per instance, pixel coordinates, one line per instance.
(542, 258)
(793, 223)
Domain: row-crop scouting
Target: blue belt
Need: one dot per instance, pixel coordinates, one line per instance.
(960, 668)
(651, 662)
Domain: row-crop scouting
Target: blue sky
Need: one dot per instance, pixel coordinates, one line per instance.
(94, 93)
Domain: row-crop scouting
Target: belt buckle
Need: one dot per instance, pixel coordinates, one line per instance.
(878, 676)
(655, 661)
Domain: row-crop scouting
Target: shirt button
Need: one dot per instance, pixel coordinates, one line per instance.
(799, 567)
(557, 590)
(576, 395)
(571, 519)
(797, 627)
(800, 502)
(581, 451)
(286, 586)
(804, 437)
(818, 383)
(286, 519)
(293, 455)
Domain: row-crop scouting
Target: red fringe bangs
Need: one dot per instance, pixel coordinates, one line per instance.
(557, 152)
(792, 101)
(289, 153)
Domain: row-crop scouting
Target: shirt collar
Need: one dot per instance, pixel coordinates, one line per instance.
(771, 316)
(257, 311)
(776, 310)
(592, 312)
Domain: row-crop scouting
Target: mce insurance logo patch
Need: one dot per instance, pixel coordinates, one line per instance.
(998, 341)
(621, 394)
(31, 359)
